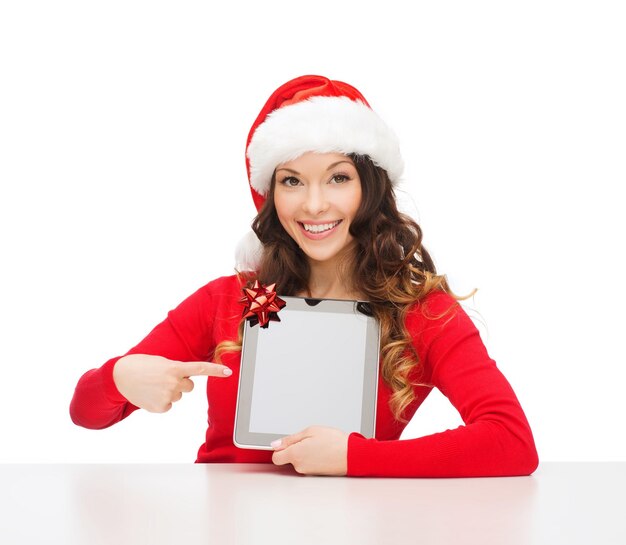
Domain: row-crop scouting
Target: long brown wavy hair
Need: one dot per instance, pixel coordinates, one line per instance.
(386, 262)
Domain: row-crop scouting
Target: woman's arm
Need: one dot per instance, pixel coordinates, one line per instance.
(183, 336)
(496, 439)
(97, 403)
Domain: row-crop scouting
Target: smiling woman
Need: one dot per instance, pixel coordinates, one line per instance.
(316, 198)
(322, 168)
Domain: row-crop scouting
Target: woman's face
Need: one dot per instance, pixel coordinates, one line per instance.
(316, 197)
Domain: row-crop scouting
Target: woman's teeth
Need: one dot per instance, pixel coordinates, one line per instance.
(319, 228)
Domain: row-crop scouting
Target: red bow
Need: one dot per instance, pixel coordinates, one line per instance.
(262, 304)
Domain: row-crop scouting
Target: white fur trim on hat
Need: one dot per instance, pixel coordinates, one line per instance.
(248, 253)
(321, 124)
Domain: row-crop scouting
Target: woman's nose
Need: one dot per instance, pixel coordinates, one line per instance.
(315, 201)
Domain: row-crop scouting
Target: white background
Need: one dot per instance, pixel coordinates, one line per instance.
(123, 190)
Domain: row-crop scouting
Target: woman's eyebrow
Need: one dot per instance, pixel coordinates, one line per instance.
(330, 167)
(338, 163)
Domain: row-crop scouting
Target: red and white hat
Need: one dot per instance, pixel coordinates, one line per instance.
(312, 113)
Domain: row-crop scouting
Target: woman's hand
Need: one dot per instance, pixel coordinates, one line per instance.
(153, 383)
(317, 450)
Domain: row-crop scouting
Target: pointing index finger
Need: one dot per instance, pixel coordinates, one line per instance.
(203, 368)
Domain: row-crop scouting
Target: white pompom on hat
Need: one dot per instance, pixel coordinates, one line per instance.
(311, 113)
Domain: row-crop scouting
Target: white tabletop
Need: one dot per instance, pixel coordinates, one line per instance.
(116, 504)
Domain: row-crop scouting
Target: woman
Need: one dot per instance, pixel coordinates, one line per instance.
(322, 167)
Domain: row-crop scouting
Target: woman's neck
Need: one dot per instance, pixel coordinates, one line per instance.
(325, 282)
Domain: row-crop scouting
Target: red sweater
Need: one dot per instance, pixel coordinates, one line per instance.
(496, 439)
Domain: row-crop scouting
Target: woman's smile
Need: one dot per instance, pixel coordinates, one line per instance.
(317, 231)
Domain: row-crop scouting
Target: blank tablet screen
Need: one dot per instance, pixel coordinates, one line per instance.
(327, 374)
(317, 366)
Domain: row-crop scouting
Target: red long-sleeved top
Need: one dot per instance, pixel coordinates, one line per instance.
(496, 439)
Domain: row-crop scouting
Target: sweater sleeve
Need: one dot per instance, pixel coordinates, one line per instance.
(495, 440)
(182, 336)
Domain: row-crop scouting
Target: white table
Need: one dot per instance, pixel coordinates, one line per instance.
(120, 504)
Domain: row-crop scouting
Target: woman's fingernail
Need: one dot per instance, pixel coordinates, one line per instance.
(228, 371)
(276, 443)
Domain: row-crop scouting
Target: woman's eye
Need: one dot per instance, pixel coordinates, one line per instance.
(290, 181)
(339, 178)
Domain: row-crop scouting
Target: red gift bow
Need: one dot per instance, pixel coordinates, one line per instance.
(262, 304)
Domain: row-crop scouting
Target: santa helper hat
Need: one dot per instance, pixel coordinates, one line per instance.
(311, 113)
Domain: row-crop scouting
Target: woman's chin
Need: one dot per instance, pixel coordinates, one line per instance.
(320, 257)
(323, 255)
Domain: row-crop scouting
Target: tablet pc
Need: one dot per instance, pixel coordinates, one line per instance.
(318, 365)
